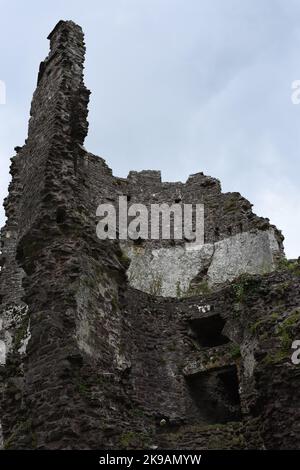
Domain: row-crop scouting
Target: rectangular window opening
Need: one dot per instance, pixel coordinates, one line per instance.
(215, 396)
(208, 331)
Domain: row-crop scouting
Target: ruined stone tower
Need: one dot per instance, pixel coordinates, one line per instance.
(146, 344)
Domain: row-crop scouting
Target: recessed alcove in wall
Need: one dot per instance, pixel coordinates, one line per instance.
(208, 331)
(61, 215)
(215, 395)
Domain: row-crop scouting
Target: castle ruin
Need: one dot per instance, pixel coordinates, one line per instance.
(109, 344)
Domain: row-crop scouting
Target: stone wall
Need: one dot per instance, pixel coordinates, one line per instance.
(236, 240)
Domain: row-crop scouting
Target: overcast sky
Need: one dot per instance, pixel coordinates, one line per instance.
(177, 85)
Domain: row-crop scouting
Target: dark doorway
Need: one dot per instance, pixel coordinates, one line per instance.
(215, 395)
(208, 331)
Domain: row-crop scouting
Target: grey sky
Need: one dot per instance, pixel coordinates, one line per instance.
(177, 85)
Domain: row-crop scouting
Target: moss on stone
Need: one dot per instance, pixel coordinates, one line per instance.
(23, 427)
(235, 351)
(255, 327)
(202, 288)
(244, 286)
(292, 266)
(284, 330)
(276, 357)
(124, 259)
(114, 303)
(226, 442)
(134, 440)
(156, 286)
(178, 290)
(284, 333)
(21, 332)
